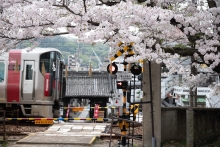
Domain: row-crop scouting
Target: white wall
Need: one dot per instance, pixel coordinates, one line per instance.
(212, 101)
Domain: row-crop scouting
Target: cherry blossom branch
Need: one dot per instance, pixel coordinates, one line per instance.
(115, 32)
(84, 4)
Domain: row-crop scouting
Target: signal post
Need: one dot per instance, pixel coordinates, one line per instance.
(122, 85)
(123, 124)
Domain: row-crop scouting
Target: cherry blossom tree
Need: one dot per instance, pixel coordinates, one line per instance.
(162, 31)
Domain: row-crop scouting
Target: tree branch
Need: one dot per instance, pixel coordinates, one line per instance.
(54, 34)
(84, 3)
(211, 3)
(180, 51)
(71, 11)
(116, 31)
(93, 23)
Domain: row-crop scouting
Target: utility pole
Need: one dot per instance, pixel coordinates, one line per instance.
(151, 112)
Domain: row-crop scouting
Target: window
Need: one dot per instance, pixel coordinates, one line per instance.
(2, 71)
(185, 90)
(48, 61)
(29, 72)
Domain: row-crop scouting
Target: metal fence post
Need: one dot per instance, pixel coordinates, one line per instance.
(17, 116)
(4, 131)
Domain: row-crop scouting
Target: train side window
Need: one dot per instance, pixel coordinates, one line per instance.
(2, 71)
(29, 72)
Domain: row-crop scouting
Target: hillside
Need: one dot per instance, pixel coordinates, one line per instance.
(70, 46)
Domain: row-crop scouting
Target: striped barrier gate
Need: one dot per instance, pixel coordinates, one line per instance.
(88, 107)
(57, 119)
(41, 121)
(77, 109)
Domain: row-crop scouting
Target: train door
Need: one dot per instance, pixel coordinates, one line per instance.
(28, 81)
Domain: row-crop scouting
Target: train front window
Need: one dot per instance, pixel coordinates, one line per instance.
(48, 62)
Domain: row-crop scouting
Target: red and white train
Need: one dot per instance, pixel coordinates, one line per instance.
(31, 80)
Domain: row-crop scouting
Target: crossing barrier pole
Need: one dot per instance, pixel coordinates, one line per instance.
(58, 119)
(4, 129)
(124, 123)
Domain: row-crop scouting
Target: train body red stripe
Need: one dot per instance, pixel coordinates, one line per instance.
(13, 84)
(47, 84)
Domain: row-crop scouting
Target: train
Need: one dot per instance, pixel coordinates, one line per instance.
(31, 81)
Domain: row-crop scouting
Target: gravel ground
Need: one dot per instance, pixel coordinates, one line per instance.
(14, 128)
(97, 143)
(22, 129)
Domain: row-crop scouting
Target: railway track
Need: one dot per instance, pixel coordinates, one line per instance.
(14, 133)
(20, 130)
(25, 128)
(21, 122)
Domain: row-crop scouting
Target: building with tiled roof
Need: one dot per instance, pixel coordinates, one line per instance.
(80, 84)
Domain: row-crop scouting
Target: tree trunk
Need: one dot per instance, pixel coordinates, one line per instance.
(190, 112)
(189, 127)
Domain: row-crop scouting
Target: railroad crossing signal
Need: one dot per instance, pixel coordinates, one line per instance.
(124, 76)
(136, 69)
(122, 84)
(117, 99)
(112, 68)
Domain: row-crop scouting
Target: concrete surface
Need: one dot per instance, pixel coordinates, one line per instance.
(67, 133)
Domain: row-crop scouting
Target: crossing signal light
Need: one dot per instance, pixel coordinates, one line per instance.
(122, 84)
(136, 69)
(112, 68)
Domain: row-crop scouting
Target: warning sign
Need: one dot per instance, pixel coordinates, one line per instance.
(96, 111)
(117, 99)
(68, 111)
(43, 121)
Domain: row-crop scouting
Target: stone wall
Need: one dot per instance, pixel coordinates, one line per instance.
(173, 123)
(206, 124)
